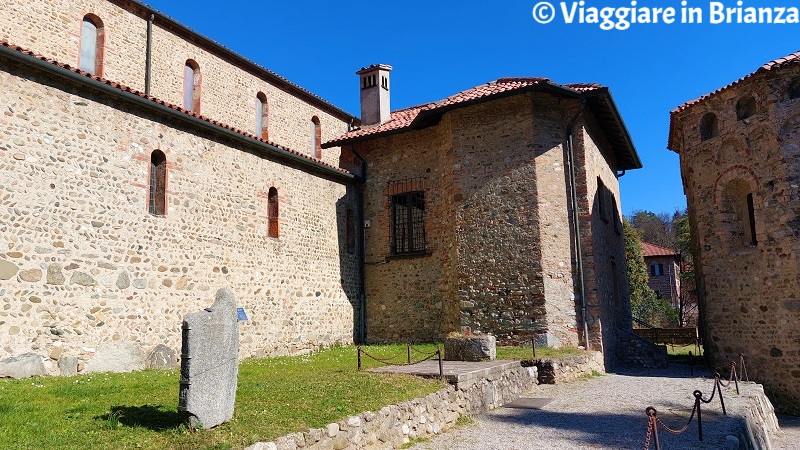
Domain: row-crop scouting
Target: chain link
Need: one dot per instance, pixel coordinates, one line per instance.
(681, 430)
(388, 361)
(650, 424)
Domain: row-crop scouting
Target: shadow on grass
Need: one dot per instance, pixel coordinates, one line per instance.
(152, 417)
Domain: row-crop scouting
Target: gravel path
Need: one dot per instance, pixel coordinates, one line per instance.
(604, 412)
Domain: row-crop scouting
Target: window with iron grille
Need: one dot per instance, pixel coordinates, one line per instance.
(408, 223)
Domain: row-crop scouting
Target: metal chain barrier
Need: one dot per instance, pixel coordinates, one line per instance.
(388, 361)
(653, 422)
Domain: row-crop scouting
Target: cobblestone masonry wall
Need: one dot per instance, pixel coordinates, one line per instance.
(228, 93)
(497, 225)
(749, 293)
(84, 263)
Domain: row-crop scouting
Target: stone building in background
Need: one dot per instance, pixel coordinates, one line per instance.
(145, 166)
(663, 272)
(470, 213)
(739, 149)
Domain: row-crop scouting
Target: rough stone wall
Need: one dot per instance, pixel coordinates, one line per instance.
(83, 262)
(667, 284)
(495, 201)
(602, 241)
(405, 295)
(228, 93)
(749, 293)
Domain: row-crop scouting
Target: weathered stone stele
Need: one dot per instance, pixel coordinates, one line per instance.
(210, 363)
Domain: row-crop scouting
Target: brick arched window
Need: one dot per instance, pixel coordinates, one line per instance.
(262, 121)
(92, 45)
(157, 203)
(316, 137)
(709, 127)
(191, 86)
(745, 107)
(273, 213)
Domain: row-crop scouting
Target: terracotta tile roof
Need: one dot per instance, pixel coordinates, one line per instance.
(405, 117)
(649, 249)
(177, 108)
(788, 60)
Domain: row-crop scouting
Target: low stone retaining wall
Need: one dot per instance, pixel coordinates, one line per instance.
(568, 368)
(758, 416)
(394, 426)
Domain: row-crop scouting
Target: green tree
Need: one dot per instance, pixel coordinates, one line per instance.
(646, 306)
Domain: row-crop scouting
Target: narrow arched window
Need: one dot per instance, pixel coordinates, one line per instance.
(316, 137)
(273, 213)
(92, 45)
(191, 86)
(262, 122)
(350, 231)
(158, 183)
(709, 127)
(745, 107)
(740, 217)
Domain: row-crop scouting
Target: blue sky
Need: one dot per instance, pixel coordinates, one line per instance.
(441, 47)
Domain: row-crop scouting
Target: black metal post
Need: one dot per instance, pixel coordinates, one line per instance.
(718, 386)
(441, 367)
(533, 345)
(697, 396)
(652, 415)
(691, 364)
(408, 350)
(744, 368)
(359, 357)
(735, 376)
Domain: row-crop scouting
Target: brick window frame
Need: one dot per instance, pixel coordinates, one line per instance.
(157, 185)
(192, 83)
(262, 116)
(273, 213)
(709, 126)
(407, 204)
(316, 137)
(91, 55)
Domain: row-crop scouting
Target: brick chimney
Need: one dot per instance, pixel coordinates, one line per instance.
(374, 81)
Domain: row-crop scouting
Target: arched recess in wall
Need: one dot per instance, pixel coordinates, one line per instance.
(745, 107)
(794, 89)
(709, 127)
(262, 118)
(738, 214)
(92, 45)
(157, 198)
(273, 213)
(191, 86)
(316, 137)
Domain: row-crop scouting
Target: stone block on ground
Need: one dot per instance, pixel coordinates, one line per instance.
(117, 357)
(470, 348)
(22, 366)
(162, 357)
(68, 365)
(210, 363)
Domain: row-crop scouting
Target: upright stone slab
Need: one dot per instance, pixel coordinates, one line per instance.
(210, 363)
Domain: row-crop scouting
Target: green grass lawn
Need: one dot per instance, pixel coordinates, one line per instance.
(275, 396)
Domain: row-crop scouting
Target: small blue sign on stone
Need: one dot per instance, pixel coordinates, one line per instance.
(241, 315)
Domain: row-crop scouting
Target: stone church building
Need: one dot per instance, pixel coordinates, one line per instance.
(739, 150)
(144, 166)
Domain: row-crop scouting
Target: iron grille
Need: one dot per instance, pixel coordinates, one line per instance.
(407, 200)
